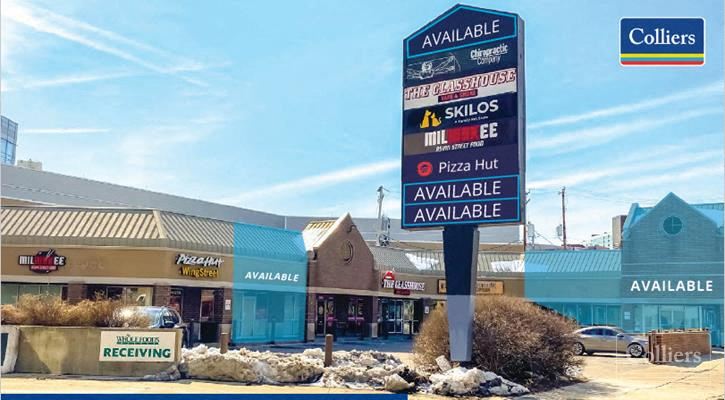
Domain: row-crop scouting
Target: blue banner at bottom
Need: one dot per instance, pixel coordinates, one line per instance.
(198, 396)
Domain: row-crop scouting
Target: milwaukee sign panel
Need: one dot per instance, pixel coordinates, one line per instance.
(463, 120)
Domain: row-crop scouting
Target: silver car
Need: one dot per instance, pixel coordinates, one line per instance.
(594, 339)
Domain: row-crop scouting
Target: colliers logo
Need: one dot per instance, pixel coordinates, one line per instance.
(662, 42)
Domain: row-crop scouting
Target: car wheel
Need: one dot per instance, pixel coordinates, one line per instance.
(635, 350)
(578, 349)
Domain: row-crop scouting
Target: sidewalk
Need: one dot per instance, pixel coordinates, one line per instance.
(393, 344)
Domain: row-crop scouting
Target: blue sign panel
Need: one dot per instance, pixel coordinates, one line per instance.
(662, 41)
(463, 120)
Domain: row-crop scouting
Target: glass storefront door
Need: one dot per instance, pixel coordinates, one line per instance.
(325, 320)
(355, 316)
(398, 316)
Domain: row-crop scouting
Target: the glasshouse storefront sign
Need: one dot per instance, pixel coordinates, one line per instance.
(137, 346)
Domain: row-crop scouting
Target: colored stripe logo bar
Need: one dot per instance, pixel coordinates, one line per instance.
(662, 59)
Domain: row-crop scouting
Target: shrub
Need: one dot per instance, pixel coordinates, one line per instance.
(511, 337)
(50, 310)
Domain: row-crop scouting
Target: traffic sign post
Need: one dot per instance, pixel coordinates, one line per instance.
(463, 142)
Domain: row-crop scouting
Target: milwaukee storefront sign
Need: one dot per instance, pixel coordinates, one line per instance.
(44, 261)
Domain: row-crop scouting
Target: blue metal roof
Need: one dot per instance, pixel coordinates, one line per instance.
(572, 261)
(712, 211)
(266, 242)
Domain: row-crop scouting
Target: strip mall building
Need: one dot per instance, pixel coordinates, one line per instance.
(264, 277)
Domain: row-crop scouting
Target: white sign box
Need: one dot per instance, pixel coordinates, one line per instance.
(148, 346)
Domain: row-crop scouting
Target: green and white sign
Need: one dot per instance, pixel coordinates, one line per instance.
(138, 346)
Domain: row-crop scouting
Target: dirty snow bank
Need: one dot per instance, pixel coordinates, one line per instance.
(462, 381)
(247, 366)
(352, 369)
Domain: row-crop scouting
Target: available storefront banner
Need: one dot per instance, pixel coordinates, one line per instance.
(137, 346)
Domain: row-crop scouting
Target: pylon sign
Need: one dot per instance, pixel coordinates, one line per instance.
(463, 120)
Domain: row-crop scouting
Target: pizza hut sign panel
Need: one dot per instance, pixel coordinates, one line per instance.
(43, 262)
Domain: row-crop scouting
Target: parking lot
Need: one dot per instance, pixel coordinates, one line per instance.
(605, 376)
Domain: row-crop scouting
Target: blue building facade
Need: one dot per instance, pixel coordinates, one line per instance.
(667, 275)
(269, 285)
(672, 267)
(8, 140)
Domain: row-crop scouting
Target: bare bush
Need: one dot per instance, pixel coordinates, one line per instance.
(50, 310)
(512, 338)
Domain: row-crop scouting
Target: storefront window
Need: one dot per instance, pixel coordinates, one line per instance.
(207, 305)
(692, 317)
(614, 315)
(11, 292)
(131, 295)
(176, 299)
(672, 317)
(584, 314)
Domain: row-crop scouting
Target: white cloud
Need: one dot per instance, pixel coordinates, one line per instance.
(587, 137)
(33, 83)
(313, 182)
(63, 131)
(599, 174)
(102, 40)
(697, 92)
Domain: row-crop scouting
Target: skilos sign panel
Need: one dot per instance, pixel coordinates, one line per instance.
(463, 139)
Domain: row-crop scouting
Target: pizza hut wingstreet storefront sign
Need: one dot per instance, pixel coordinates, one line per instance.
(198, 267)
(137, 346)
(43, 261)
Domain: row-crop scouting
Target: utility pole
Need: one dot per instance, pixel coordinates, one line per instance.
(381, 195)
(563, 215)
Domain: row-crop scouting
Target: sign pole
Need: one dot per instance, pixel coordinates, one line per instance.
(460, 253)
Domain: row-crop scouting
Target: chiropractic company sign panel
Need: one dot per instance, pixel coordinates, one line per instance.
(137, 346)
(463, 120)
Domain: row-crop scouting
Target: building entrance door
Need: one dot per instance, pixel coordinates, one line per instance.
(325, 320)
(355, 316)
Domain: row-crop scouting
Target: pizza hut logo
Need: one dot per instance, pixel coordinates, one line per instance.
(43, 262)
(424, 168)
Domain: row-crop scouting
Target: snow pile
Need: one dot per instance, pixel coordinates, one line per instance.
(461, 381)
(248, 366)
(352, 369)
(365, 369)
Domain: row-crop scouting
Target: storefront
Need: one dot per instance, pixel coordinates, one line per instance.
(141, 257)
(342, 290)
(270, 280)
(668, 274)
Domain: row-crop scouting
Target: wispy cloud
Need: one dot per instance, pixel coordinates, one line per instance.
(645, 164)
(639, 182)
(64, 131)
(102, 40)
(31, 83)
(628, 108)
(587, 137)
(314, 182)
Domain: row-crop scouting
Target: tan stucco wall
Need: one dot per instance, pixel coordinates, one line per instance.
(75, 351)
(88, 264)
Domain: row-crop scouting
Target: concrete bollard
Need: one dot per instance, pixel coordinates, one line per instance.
(328, 350)
(224, 343)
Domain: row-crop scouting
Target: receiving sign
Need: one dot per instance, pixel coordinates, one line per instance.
(138, 346)
(463, 139)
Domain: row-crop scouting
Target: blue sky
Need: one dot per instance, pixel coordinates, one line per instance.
(294, 107)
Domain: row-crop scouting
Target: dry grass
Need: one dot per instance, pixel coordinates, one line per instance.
(50, 310)
(512, 337)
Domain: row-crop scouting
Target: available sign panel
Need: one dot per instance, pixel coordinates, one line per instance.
(463, 120)
(137, 346)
